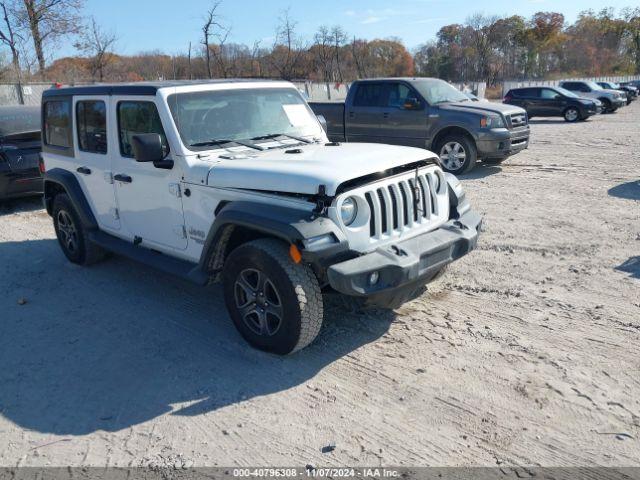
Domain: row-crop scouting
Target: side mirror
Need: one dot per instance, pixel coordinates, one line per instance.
(411, 104)
(323, 122)
(147, 147)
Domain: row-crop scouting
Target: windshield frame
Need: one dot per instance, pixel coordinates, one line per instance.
(171, 96)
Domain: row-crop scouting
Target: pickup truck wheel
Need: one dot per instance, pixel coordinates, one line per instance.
(571, 114)
(275, 304)
(72, 236)
(457, 153)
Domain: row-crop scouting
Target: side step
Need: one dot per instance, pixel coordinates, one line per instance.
(175, 266)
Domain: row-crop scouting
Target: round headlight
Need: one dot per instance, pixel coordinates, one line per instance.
(348, 210)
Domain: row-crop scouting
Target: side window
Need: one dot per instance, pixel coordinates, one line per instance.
(57, 123)
(399, 93)
(584, 87)
(135, 117)
(569, 86)
(91, 120)
(370, 95)
(549, 94)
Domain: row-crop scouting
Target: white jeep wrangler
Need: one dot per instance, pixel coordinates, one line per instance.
(236, 181)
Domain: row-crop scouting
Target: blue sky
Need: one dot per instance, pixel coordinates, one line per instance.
(169, 25)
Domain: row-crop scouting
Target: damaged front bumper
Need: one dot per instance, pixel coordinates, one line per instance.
(389, 276)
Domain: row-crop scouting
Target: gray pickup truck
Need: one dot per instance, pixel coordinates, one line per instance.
(427, 113)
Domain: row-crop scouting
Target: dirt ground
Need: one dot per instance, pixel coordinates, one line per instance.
(526, 353)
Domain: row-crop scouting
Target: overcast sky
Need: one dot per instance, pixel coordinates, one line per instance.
(169, 25)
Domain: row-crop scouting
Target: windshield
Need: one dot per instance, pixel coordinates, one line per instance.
(566, 93)
(438, 91)
(213, 118)
(593, 85)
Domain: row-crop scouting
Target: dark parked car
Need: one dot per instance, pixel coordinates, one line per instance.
(20, 146)
(630, 91)
(427, 113)
(552, 102)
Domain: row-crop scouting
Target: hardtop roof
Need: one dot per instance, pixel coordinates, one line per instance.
(138, 88)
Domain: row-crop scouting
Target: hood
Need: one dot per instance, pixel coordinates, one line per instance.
(615, 93)
(317, 164)
(482, 108)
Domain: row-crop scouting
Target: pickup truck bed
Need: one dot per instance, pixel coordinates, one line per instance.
(333, 112)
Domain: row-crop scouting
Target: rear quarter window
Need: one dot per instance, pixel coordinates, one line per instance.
(57, 123)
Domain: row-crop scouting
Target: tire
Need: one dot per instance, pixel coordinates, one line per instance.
(457, 145)
(607, 106)
(571, 114)
(71, 234)
(275, 304)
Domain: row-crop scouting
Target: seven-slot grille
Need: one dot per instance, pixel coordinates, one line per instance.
(403, 204)
(518, 119)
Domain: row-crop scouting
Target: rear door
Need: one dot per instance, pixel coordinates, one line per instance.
(364, 115)
(92, 152)
(530, 100)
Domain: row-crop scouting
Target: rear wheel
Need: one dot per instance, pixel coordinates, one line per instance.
(458, 154)
(571, 114)
(275, 304)
(72, 235)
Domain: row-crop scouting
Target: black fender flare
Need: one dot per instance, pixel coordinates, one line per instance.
(71, 186)
(290, 225)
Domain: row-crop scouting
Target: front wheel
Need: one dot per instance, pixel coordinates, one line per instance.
(458, 154)
(275, 303)
(571, 114)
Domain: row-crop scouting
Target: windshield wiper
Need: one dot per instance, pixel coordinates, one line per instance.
(276, 135)
(224, 141)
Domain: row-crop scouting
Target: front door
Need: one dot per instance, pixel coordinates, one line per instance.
(149, 198)
(94, 154)
(404, 124)
(551, 102)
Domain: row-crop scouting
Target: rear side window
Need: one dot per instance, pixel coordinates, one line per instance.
(57, 123)
(370, 95)
(135, 117)
(91, 120)
(526, 92)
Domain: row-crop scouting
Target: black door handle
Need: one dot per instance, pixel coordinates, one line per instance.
(385, 115)
(84, 170)
(352, 114)
(120, 177)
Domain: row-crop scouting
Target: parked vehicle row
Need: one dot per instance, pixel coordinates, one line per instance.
(572, 100)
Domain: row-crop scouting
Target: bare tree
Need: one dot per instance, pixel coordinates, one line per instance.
(213, 28)
(48, 20)
(287, 49)
(339, 39)
(96, 43)
(10, 37)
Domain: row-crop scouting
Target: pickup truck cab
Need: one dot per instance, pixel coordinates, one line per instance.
(552, 102)
(235, 181)
(611, 99)
(427, 113)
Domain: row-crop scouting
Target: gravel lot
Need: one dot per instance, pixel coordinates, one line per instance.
(526, 353)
